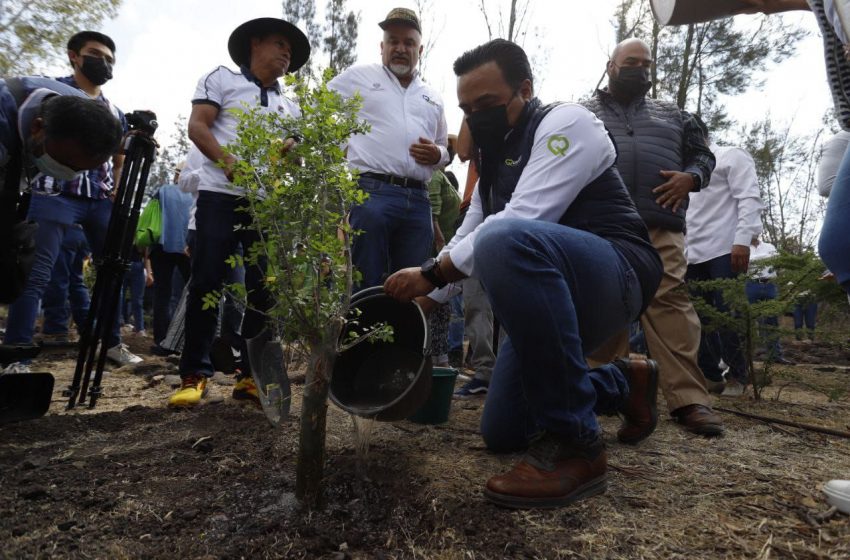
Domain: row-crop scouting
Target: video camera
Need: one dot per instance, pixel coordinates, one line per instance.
(144, 121)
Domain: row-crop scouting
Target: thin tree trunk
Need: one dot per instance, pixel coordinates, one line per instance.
(512, 22)
(314, 410)
(656, 31)
(684, 80)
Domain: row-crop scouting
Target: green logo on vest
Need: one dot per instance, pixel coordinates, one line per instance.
(558, 145)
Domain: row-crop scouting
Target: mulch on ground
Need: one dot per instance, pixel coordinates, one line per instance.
(132, 479)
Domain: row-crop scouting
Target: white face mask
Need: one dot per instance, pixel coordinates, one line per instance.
(49, 166)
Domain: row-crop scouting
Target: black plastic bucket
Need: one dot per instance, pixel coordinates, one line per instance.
(386, 381)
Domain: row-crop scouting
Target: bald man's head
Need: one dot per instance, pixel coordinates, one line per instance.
(628, 69)
(633, 47)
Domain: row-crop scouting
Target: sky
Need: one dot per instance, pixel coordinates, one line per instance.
(164, 47)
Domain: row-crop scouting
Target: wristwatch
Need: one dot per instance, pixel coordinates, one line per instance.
(697, 181)
(430, 270)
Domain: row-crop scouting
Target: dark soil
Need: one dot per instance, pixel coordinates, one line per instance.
(132, 479)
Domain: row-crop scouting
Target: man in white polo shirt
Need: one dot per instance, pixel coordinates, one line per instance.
(264, 49)
(398, 156)
(721, 220)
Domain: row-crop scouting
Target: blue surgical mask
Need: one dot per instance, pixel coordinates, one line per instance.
(49, 166)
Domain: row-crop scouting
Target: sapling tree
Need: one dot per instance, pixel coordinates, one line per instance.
(300, 190)
(796, 275)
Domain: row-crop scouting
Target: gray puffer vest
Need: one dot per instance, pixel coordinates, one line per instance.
(650, 137)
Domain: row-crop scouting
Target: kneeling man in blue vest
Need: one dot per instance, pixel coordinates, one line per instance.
(557, 243)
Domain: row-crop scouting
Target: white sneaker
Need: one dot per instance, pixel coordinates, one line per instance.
(17, 367)
(122, 356)
(838, 494)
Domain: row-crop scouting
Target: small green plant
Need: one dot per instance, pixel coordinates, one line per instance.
(300, 195)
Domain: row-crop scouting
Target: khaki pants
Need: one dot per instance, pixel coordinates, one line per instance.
(672, 329)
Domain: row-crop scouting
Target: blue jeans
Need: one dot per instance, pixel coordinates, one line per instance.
(134, 282)
(166, 268)
(396, 230)
(834, 243)
(216, 217)
(768, 326)
(54, 215)
(637, 338)
(717, 344)
(805, 314)
(559, 293)
(456, 324)
(66, 284)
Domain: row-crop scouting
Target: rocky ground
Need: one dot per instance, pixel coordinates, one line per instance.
(132, 479)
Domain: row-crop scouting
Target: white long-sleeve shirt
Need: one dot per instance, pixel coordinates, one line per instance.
(571, 148)
(728, 211)
(399, 117)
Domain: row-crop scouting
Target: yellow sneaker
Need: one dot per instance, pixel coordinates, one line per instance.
(192, 389)
(246, 390)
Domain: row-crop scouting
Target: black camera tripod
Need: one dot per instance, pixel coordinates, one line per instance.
(139, 152)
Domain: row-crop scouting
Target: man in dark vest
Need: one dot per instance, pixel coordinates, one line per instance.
(557, 244)
(662, 156)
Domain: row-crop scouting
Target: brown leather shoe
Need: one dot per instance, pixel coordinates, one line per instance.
(553, 473)
(640, 412)
(699, 419)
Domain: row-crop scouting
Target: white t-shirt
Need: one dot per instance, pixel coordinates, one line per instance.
(726, 212)
(399, 117)
(571, 148)
(226, 90)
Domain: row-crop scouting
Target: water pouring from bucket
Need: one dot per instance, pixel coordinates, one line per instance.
(385, 380)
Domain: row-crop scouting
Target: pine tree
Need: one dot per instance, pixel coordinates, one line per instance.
(33, 33)
(340, 40)
(336, 38)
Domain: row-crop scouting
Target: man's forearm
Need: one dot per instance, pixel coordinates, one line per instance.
(203, 138)
(117, 166)
(698, 156)
(447, 270)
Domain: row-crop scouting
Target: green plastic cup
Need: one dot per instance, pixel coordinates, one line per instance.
(436, 409)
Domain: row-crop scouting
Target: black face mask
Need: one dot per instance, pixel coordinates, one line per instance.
(96, 69)
(489, 127)
(631, 83)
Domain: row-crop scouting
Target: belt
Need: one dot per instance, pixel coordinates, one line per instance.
(396, 180)
(764, 280)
